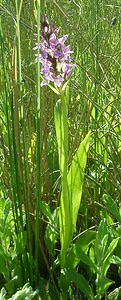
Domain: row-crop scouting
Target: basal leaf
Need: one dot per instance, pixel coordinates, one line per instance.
(70, 206)
(75, 179)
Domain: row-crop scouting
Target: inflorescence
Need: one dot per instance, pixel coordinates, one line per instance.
(54, 56)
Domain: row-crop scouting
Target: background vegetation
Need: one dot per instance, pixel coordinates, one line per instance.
(30, 183)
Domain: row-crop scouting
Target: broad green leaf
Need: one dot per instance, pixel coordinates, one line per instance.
(71, 183)
(69, 210)
(75, 179)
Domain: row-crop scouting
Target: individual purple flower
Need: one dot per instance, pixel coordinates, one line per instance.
(54, 56)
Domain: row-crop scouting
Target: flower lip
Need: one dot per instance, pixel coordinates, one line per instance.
(57, 53)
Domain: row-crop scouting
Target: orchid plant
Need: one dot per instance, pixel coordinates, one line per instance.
(56, 68)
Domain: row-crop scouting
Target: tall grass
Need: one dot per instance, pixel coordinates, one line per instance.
(38, 182)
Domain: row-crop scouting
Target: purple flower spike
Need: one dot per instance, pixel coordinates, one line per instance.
(55, 56)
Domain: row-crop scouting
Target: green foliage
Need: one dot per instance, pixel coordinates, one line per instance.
(75, 179)
(6, 231)
(74, 183)
(52, 228)
(112, 207)
(70, 275)
(2, 294)
(115, 294)
(29, 173)
(47, 290)
(104, 247)
(11, 249)
(79, 250)
(26, 293)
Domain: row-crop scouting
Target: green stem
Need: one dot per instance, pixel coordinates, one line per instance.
(64, 142)
(61, 124)
(64, 210)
